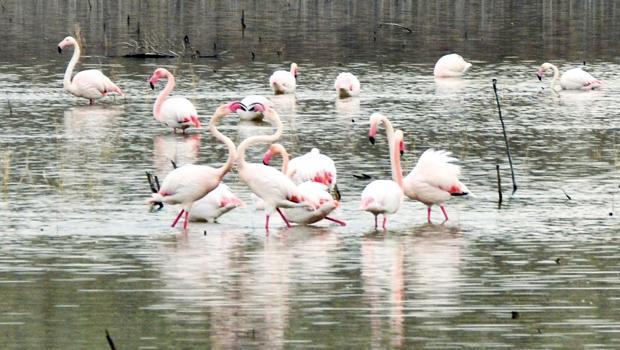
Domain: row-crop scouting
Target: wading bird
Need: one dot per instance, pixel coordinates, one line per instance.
(572, 79)
(284, 82)
(175, 112)
(450, 66)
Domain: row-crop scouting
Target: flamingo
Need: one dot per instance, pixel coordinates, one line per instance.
(283, 82)
(175, 112)
(247, 110)
(309, 189)
(385, 196)
(433, 180)
(90, 83)
(572, 79)
(449, 66)
(271, 185)
(347, 85)
(187, 184)
(312, 166)
(215, 204)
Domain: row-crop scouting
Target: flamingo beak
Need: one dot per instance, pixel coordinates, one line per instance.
(371, 139)
(152, 86)
(402, 152)
(59, 49)
(539, 77)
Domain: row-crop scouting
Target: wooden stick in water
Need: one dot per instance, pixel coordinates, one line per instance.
(499, 186)
(499, 110)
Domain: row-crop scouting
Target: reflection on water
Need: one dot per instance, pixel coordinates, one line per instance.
(81, 253)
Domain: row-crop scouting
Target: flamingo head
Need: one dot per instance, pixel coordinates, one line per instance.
(274, 149)
(372, 132)
(294, 69)
(235, 105)
(68, 41)
(158, 74)
(541, 71)
(399, 139)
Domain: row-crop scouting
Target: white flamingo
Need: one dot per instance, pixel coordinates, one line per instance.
(434, 179)
(449, 66)
(175, 112)
(271, 185)
(284, 82)
(572, 79)
(347, 85)
(247, 110)
(215, 204)
(90, 83)
(316, 190)
(385, 196)
(187, 184)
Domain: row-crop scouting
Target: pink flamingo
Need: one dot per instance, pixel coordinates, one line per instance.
(187, 184)
(90, 83)
(284, 82)
(433, 180)
(385, 196)
(309, 188)
(449, 66)
(572, 79)
(271, 185)
(347, 85)
(175, 112)
(312, 166)
(215, 204)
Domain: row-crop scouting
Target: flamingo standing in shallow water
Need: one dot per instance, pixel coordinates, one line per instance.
(187, 184)
(434, 179)
(175, 112)
(309, 188)
(450, 66)
(572, 79)
(90, 83)
(347, 85)
(284, 82)
(385, 196)
(271, 185)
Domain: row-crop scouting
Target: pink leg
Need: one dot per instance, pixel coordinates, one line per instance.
(339, 222)
(267, 222)
(429, 215)
(288, 224)
(186, 221)
(375, 222)
(174, 223)
(444, 212)
(384, 221)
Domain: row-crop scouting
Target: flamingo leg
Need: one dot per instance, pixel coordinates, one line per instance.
(443, 209)
(339, 222)
(91, 101)
(174, 223)
(384, 221)
(375, 222)
(429, 215)
(288, 224)
(186, 221)
(267, 222)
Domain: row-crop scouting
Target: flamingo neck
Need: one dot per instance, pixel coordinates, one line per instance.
(285, 157)
(258, 139)
(389, 130)
(66, 83)
(397, 171)
(556, 75)
(163, 95)
(232, 152)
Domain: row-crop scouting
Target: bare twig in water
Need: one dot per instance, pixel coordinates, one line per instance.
(243, 26)
(362, 177)
(395, 25)
(109, 339)
(499, 186)
(499, 110)
(566, 194)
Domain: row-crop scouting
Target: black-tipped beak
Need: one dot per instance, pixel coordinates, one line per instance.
(265, 163)
(59, 49)
(152, 86)
(539, 77)
(401, 153)
(371, 139)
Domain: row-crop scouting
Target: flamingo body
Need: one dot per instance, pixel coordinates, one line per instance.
(284, 82)
(572, 79)
(313, 166)
(248, 112)
(215, 204)
(91, 83)
(174, 112)
(187, 184)
(382, 197)
(452, 65)
(347, 85)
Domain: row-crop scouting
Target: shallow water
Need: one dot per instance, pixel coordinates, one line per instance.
(81, 253)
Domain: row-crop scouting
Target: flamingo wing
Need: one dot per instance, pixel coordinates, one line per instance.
(436, 169)
(382, 197)
(452, 65)
(188, 183)
(577, 79)
(271, 185)
(313, 166)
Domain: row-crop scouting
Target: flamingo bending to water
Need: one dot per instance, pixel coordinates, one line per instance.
(449, 66)
(175, 112)
(572, 79)
(271, 185)
(347, 85)
(187, 184)
(284, 82)
(434, 179)
(309, 188)
(90, 83)
(248, 110)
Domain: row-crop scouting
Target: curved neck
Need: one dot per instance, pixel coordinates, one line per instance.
(556, 75)
(285, 157)
(163, 95)
(396, 169)
(66, 83)
(258, 139)
(232, 151)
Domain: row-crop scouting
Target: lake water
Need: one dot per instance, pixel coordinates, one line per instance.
(81, 253)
